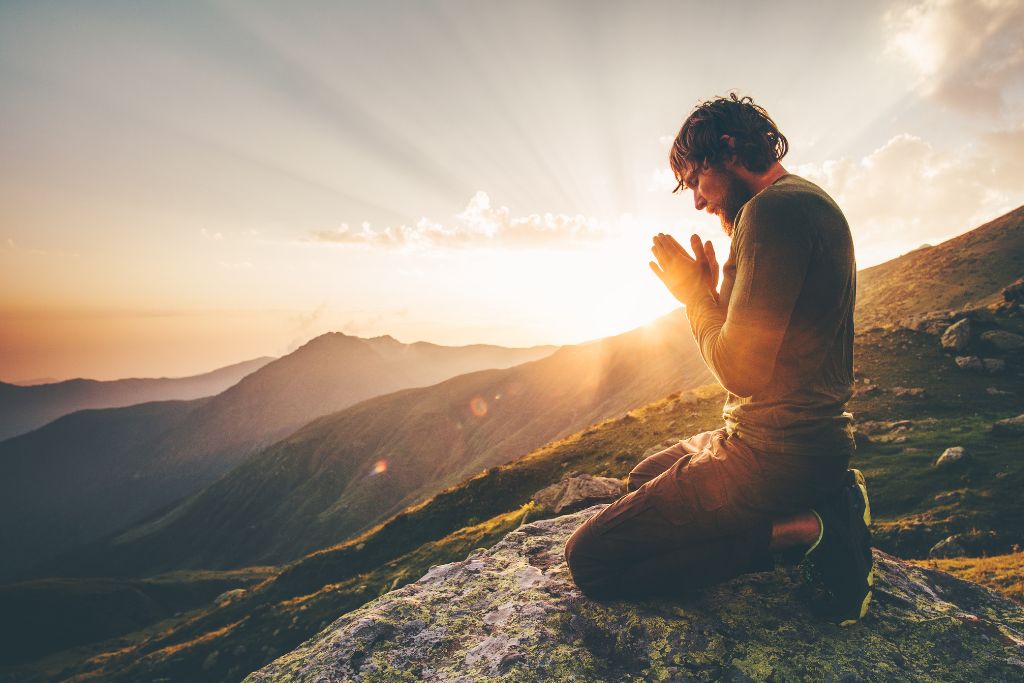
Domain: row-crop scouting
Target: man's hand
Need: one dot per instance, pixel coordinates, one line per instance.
(682, 274)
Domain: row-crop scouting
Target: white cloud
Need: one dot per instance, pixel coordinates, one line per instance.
(907, 192)
(216, 236)
(969, 53)
(478, 225)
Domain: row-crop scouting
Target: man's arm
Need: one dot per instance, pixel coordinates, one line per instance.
(772, 250)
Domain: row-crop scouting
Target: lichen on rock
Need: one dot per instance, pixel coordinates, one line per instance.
(512, 613)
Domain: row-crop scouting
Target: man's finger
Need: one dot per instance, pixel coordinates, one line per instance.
(675, 248)
(657, 271)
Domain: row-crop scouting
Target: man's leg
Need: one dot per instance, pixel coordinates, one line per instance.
(680, 526)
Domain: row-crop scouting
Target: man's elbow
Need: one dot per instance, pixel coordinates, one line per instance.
(743, 386)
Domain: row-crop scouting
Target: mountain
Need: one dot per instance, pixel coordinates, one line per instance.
(915, 505)
(92, 472)
(970, 269)
(513, 613)
(24, 408)
(345, 472)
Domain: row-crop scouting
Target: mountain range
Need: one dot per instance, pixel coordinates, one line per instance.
(347, 471)
(913, 400)
(92, 472)
(24, 408)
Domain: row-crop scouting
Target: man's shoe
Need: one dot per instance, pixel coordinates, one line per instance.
(841, 559)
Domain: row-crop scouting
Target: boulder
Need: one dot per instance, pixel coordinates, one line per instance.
(512, 613)
(951, 455)
(1003, 340)
(969, 544)
(957, 336)
(1014, 292)
(1011, 426)
(969, 363)
(577, 492)
(993, 366)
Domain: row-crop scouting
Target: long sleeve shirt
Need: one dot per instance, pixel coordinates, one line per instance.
(780, 336)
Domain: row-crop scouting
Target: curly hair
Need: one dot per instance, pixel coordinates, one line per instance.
(757, 140)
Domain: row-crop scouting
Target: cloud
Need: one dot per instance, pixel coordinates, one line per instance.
(478, 225)
(969, 53)
(207, 235)
(907, 192)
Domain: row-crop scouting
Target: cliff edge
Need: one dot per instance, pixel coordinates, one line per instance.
(512, 613)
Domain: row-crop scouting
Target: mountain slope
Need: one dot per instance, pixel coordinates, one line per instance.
(24, 408)
(79, 478)
(224, 642)
(345, 472)
(971, 268)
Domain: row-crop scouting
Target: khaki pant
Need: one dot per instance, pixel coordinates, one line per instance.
(697, 513)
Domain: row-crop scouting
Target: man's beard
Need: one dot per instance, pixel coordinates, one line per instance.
(736, 195)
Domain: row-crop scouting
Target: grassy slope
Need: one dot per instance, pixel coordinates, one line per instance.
(1001, 572)
(49, 615)
(226, 643)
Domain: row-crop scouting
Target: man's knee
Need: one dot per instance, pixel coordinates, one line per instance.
(588, 567)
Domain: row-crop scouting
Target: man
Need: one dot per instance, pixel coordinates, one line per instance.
(773, 482)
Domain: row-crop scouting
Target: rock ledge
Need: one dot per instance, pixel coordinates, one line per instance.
(512, 613)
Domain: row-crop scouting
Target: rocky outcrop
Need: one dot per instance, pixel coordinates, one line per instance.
(958, 336)
(512, 613)
(1011, 426)
(950, 456)
(575, 492)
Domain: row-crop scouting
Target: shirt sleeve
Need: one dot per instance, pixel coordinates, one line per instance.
(740, 336)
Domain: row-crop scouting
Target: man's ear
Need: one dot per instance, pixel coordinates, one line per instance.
(730, 142)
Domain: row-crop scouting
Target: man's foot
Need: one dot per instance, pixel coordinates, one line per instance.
(841, 559)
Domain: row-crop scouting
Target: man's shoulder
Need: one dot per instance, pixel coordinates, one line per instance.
(791, 201)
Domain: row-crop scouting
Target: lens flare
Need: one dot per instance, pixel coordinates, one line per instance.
(379, 467)
(478, 406)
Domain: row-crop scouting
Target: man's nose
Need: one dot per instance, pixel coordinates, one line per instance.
(698, 201)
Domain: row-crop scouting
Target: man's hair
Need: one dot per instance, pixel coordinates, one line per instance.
(758, 142)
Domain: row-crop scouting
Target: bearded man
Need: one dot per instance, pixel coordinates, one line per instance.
(772, 483)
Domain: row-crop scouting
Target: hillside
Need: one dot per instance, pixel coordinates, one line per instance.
(343, 473)
(955, 408)
(24, 408)
(970, 269)
(93, 472)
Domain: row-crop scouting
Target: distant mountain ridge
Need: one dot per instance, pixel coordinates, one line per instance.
(92, 472)
(347, 471)
(27, 407)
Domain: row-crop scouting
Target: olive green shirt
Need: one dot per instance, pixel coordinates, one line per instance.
(780, 336)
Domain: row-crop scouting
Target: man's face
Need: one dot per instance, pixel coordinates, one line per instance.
(717, 190)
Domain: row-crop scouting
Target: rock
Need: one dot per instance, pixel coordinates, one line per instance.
(994, 366)
(971, 543)
(947, 547)
(1014, 292)
(951, 455)
(947, 497)
(1003, 340)
(577, 492)
(909, 392)
(957, 336)
(865, 389)
(521, 618)
(969, 363)
(228, 596)
(1011, 426)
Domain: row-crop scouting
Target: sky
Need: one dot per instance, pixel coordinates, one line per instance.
(189, 185)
